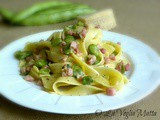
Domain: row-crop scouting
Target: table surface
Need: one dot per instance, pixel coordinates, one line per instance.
(136, 18)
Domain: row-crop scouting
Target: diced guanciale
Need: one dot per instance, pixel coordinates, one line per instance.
(29, 78)
(112, 57)
(84, 32)
(118, 43)
(122, 68)
(127, 67)
(103, 51)
(106, 60)
(111, 91)
(74, 45)
(67, 70)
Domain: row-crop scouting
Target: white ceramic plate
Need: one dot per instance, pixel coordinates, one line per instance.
(144, 79)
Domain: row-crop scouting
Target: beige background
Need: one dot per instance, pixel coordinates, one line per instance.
(137, 18)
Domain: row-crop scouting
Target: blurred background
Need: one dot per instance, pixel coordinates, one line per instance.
(137, 18)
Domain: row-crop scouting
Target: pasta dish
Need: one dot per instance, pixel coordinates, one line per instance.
(75, 62)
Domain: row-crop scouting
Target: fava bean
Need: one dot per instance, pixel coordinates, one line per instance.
(69, 39)
(87, 80)
(93, 49)
(20, 55)
(41, 63)
(44, 71)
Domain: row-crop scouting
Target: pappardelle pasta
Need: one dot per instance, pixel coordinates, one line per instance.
(75, 62)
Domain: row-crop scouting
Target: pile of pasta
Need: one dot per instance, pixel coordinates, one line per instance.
(75, 62)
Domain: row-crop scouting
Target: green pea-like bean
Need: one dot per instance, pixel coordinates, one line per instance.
(122, 69)
(93, 49)
(80, 23)
(41, 63)
(98, 59)
(44, 71)
(87, 80)
(77, 71)
(69, 39)
(67, 51)
(115, 53)
(20, 55)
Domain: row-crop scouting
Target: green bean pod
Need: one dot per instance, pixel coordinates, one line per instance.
(37, 7)
(56, 17)
(6, 14)
(61, 9)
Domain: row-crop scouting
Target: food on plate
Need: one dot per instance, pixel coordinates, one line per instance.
(75, 61)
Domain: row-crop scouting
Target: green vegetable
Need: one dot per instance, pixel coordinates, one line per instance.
(79, 29)
(115, 53)
(68, 66)
(67, 51)
(44, 71)
(67, 28)
(74, 26)
(57, 35)
(80, 23)
(61, 9)
(93, 49)
(46, 13)
(56, 42)
(41, 63)
(6, 14)
(69, 39)
(20, 55)
(57, 17)
(22, 63)
(122, 69)
(37, 7)
(34, 73)
(98, 59)
(87, 80)
(77, 71)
